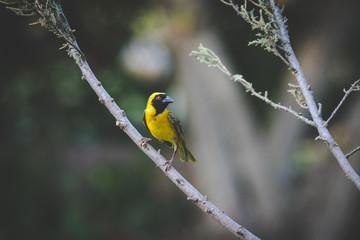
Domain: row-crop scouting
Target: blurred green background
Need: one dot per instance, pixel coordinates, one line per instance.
(68, 173)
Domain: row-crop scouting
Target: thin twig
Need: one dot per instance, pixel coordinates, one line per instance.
(249, 88)
(320, 109)
(207, 56)
(352, 152)
(355, 84)
(225, 2)
(276, 52)
(253, 22)
(59, 31)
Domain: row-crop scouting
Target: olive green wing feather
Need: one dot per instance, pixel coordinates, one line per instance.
(184, 152)
(144, 121)
(175, 122)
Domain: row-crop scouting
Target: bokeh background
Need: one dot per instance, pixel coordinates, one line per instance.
(66, 171)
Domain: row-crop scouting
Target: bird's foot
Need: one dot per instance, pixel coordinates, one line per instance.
(168, 165)
(144, 141)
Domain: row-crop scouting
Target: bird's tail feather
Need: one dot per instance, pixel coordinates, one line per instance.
(185, 154)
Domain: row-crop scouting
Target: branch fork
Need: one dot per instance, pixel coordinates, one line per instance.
(275, 36)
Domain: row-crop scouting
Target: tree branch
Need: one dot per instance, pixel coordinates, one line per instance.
(208, 57)
(274, 30)
(268, 40)
(55, 21)
(123, 122)
(354, 87)
(324, 133)
(352, 152)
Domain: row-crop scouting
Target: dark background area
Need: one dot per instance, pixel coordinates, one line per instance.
(66, 171)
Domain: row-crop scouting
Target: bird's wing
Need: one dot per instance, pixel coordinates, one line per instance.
(175, 122)
(184, 152)
(144, 121)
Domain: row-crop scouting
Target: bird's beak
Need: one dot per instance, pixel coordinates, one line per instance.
(168, 99)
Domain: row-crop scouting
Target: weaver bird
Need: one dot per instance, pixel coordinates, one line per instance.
(164, 126)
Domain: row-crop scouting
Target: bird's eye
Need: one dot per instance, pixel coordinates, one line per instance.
(158, 98)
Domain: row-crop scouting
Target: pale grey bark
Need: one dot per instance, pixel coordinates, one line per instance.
(324, 133)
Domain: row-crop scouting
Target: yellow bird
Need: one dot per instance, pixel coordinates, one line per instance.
(164, 126)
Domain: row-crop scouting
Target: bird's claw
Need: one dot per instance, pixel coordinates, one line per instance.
(168, 165)
(144, 141)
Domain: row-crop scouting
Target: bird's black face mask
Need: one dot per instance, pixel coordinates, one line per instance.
(160, 102)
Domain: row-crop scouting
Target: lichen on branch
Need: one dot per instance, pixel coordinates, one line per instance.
(51, 17)
(263, 21)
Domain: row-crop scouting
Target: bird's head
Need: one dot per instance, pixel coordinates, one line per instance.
(159, 101)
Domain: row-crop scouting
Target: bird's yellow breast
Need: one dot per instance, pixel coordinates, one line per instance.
(160, 127)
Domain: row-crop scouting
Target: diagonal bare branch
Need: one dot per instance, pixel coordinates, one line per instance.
(275, 31)
(324, 133)
(123, 122)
